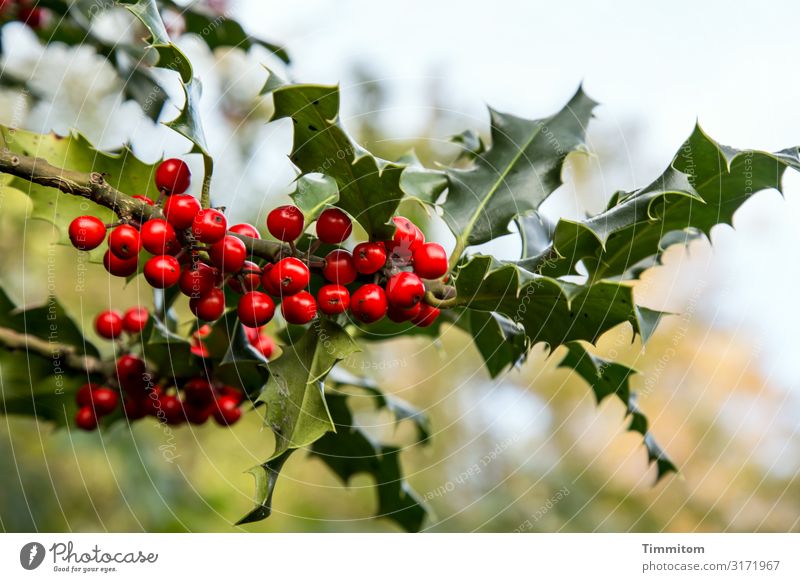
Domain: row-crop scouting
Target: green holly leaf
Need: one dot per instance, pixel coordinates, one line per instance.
(420, 183)
(520, 170)
(294, 394)
(400, 409)
(549, 310)
(501, 342)
(471, 144)
(536, 232)
(703, 186)
(607, 378)
(313, 193)
(188, 122)
(369, 188)
(122, 170)
(266, 476)
(350, 451)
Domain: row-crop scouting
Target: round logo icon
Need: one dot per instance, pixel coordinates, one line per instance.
(31, 555)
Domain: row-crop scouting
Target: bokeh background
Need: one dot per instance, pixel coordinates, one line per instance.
(719, 379)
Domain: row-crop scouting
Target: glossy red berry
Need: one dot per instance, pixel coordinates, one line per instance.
(162, 271)
(333, 226)
(231, 391)
(108, 324)
(85, 418)
(135, 319)
(171, 409)
(180, 210)
(289, 276)
(83, 397)
(104, 401)
(255, 309)
(198, 391)
(196, 414)
(399, 315)
(404, 290)
(286, 223)
(299, 308)
(246, 230)
(368, 303)
(369, 257)
(209, 226)
(430, 261)
(426, 316)
(144, 199)
(33, 16)
(266, 281)
(131, 373)
(407, 234)
(198, 281)
(248, 279)
(120, 267)
(208, 307)
(173, 176)
(87, 233)
(199, 349)
(226, 411)
(158, 237)
(333, 299)
(228, 255)
(133, 408)
(339, 267)
(125, 241)
(264, 344)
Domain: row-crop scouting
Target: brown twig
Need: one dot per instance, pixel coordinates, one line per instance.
(69, 355)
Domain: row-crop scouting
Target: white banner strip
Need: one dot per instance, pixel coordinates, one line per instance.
(397, 557)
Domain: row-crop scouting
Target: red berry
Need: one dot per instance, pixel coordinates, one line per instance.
(430, 261)
(368, 303)
(87, 233)
(286, 223)
(84, 394)
(131, 373)
(404, 290)
(255, 309)
(407, 234)
(120, 267)
(135, 319)
(173, 176)
(198, 281)
(209, 226)
(246, 230)
(196, 414)
(228, 255)
(150, 401)
(181, 209)
(369, 257)
(125, 241)
(198, 391)
(226, 411)
(426, 316)
(133, 408)
(162, 271)
(264, 344)
(172, 409)
(199, 349)
(33, 16)
(108, 324)
(208, 307)
(104, 401)
(158, 237)
(399, 315)
(333, 299)
(202, 332)
(232, 392)
(144, 199)
(266, 281)
(300, 308)
(289, 276)
(248, 279)
(339, 267)
(333, 226)
(85, 418)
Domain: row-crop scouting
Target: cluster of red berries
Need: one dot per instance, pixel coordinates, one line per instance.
(142, 393)
(194, 249)
(25, 11)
